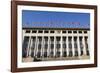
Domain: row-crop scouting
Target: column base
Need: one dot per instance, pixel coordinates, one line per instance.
(31, 59)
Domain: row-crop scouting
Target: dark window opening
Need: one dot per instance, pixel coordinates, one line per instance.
(45, 54)
(46, 31)
(88, 53)
(52, 46)
(70, 42)
(63, 31)
(69, 31)
(27, 31)
(40, 31)
(64, 54)
(70, 53)
(58, 54)
(51, 53)
(38, 54)
(76, 53)
(74, 31)
(51, 31)
(81, 52)
(85, 31)
(34, 31)
(80, 31)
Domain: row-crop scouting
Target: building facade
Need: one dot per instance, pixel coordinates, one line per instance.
(55, 44)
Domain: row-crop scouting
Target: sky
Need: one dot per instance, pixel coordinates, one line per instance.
(52, 19)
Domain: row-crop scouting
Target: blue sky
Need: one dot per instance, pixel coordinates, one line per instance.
(31, 18)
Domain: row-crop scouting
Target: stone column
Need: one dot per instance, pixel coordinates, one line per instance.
(35, 49)
(42, 47)
(78, 43)
(84, 47)
(73, 49)
(54, 45)
(61, 49)
(67, 47)
(88, 41)
(28, 48)
(23, 34)
(48, 46)
(37, 46)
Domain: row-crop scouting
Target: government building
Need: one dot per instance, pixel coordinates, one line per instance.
(49, 44)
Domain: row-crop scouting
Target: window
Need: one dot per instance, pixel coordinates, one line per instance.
(74, 31)
(76, 53)
(27, 31)
(69, 31)
(70, 53)
(52, 39)
(58, 54)
(85, 31)
(40, 31)
(80, 31)
(34, 31)
(64, 54)
(46, 31)
(45, 54)
(52, 46)
(51, 31)
(64, 31)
